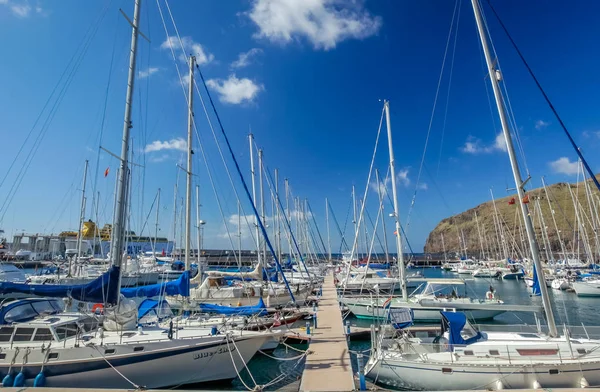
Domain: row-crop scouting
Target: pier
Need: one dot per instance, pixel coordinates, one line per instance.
(328, 366)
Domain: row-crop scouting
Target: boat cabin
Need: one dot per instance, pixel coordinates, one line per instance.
(41, 320)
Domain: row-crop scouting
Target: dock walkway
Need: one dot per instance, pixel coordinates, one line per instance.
(328, 366)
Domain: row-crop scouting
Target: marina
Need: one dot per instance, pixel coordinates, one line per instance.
(174, 237)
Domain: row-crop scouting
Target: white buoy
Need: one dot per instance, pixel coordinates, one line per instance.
(536, 385)
(499, 385)
(583, 383)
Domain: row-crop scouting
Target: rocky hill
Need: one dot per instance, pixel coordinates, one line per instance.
(505, 221)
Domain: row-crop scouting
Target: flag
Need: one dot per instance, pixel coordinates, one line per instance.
(536, 283)
(164, 253)
(387, 303)
(106, 171)
(396, 232)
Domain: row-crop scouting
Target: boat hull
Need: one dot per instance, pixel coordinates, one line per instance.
(586, 289)
(413, 375)
(158, 365)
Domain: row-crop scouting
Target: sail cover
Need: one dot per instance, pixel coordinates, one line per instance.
(454, 323)
(180, 286)
(258, 309)
(103, 289)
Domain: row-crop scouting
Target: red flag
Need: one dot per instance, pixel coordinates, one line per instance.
(164, 253)
(106, 171)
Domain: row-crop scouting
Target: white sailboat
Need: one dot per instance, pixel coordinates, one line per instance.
(463, 358)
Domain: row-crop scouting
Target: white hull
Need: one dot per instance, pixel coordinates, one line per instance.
(158, 365)
(415, 375)
(421, 315)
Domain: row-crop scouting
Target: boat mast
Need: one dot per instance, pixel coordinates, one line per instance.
(188, 186)
(118, 230)
(480, 237)
(328, 235)
(354, 221)
(199, 224)
(251, 142)
(262, 203)
(156, 226)
(396, 215)
(495, 77)
(381, 194)
(81, 218)
(277, 223)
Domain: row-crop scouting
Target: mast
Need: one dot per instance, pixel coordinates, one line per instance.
(287, 213)
(327, 224)
(354, 220)
(495, 77)
(188, 186)
(386, 105)
(81, 217)
(262, 202)
(480, 237)
(380, 194)
(499, 231)
(175, 190)
(156, 226)
(199, 224)
(239, 235)
(118, 230)
(251, 141)
(277, 224)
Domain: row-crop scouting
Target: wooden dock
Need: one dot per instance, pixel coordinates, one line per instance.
(328, 366)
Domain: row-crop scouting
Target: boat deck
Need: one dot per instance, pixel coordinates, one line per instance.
(328, 366)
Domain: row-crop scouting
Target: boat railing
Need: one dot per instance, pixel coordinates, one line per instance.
(575, 331)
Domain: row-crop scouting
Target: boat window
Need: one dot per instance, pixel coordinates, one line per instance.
(53, 356)
(66, 331)
(109, 351)
(447, 370)
(468, 331)
(43, 307)
(494, 352)
(88, 324)
(537, 351)
(138, 348)
(2, 356)
(553, 371)
(468, 352)
(6, 333)
(43, 334)
(23, 334)
(582, 351)
(19, 313)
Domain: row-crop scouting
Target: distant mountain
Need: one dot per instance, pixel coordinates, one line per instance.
(572, 231)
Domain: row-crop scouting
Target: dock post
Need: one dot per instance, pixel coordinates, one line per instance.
(348, 328)
(315, 319)
(308, 328)
(361, 372)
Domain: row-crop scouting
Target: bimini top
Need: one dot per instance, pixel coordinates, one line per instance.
(458, 334)
(28, 309)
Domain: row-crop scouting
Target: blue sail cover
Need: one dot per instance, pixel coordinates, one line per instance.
(103, 289)
(536, 283)
(180, 286)
(454, 323)
(258, 309)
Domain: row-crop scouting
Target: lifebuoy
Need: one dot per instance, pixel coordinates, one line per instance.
(489, 295)
(369, 309)
(98, 307)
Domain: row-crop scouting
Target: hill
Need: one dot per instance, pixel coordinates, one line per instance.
(502, 226)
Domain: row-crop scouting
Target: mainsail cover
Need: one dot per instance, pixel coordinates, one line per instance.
(180, 286)
(103, 289)
(258, 309)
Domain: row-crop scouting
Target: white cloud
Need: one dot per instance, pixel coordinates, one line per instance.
(178, 144)
(402, 177)
(149, 72)
(234, 90)
(189, 47)
(21, 8)
(475, 146)
(245, 58)
(565, 166)
(325, 23)
(540, 124)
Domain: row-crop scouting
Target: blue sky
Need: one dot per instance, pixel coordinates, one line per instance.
(307, 77)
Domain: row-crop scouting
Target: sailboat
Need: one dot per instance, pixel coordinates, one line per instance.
(464, 358)
(73, 349)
